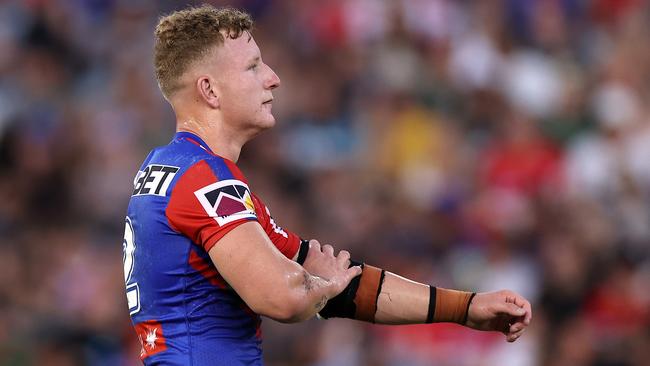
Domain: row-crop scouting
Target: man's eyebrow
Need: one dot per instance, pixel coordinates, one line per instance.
(255, 60)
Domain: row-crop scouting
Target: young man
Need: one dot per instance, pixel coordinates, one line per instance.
(203, 259)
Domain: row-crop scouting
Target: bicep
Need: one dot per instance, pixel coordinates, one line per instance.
(259, 273)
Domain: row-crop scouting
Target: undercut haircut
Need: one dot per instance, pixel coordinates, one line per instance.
(186, 36)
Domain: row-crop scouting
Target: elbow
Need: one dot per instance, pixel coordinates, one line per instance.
(285, 308)
(288, 302)
(291, 311)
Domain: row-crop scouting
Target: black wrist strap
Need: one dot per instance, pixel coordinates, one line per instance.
(342, 305)
(302, 253)
(432, 304)
(469, 303)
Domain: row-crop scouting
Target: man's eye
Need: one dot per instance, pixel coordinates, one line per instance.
(252, 67)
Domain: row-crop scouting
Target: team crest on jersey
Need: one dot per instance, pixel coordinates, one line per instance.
(150, 335)
(227, 201)
(154, 179)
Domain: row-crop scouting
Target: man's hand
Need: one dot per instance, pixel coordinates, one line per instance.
(334, 269)
(321, 262)
(503, 311)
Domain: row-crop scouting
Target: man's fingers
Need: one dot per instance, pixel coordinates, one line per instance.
(344, 257)
(515, 331)
(354, 271)
(516, 327)
(344, 279)
(511, 309)
(523, 303)
(529, 313)
(328, 249)
(518, 300)
(314, 245)
(512, 297)
(511, 337)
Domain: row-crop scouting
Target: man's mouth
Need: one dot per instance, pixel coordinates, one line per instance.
(268, 101)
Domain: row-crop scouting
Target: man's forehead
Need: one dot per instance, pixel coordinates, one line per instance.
(243, 46)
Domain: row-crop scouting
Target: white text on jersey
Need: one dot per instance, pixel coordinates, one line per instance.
(155, 179)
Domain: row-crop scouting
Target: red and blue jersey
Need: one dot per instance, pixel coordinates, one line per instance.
(185, 199)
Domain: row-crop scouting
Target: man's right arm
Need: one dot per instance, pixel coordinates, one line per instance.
(271, 284)
(220, 215)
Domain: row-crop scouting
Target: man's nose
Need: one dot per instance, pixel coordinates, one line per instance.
(272, 81)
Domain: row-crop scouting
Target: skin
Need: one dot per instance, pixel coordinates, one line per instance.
(227, 96)
(226, 99)
(403, 301)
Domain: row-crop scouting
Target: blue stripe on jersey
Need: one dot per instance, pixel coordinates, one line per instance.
(220, 169)
(218, 166)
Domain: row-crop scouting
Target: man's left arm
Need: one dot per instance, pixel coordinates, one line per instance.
(402, 301)
(383, 297)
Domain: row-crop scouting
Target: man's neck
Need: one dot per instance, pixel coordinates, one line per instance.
(221, 141)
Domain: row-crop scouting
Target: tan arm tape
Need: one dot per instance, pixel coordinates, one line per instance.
(451, 305)
(366, 297)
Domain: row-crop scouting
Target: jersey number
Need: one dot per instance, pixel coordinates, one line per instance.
(132, 289)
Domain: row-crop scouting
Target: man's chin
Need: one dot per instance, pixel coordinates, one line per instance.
(269, 122)
(262, 126)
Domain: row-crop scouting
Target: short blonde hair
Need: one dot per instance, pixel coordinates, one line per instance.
(185, 36)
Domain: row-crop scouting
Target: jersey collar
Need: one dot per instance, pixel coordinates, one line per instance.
(193, 137)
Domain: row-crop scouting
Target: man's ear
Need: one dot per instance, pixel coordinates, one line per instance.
(207, 89)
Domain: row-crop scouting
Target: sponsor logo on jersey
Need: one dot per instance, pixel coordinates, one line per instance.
(227, 201)
(154, 179)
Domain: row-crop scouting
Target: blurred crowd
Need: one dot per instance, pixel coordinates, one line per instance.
(468, 144)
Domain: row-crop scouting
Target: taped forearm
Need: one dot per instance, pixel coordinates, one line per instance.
(447, 305)
(386, 298)
(403, 301)
(359, 299)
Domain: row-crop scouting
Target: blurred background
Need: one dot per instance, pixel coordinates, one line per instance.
(469, 144)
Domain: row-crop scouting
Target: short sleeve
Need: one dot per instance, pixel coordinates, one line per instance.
(287, 242)
(205, 208)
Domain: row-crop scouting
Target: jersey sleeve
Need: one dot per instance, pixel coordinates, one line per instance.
(205, 208)
(287, 242)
